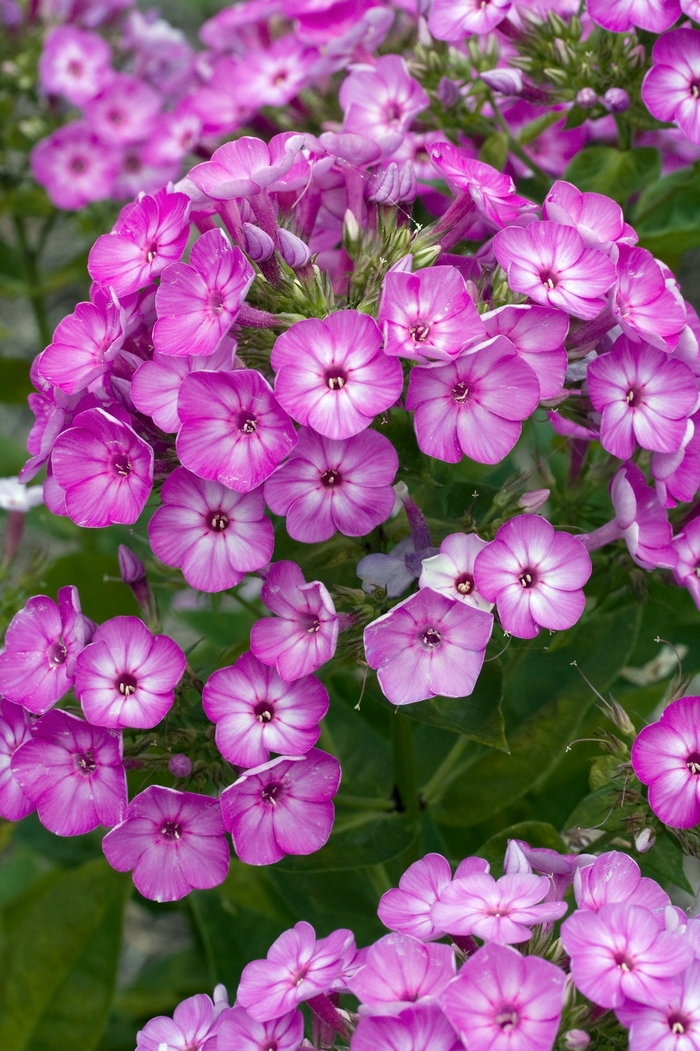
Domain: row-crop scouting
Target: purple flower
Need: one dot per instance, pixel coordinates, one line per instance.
(380, 103)
(83, 346)
(176, 135)
(428, 315)
(327, 485)
(275, 74)
(452, 571)
(670, 88)
(597, 218)
(245, 167)
(256, 712)
(173, 841)
(666, 756)
(677, 475)
(453, 20)
(194, 1022)
(687, 568)
(282, 807)
(538, 335)
(213, 534)
(490, 192)
(73, 773)
(551, 264)
(495, 910)
(672, 1026)
(428, 645)
(155, 386)
(104, 468)
(414, 1029)
(406, 908)
(332, 374)
(126, 676)
(304, 633)
(15, 730)
(534, 576)
(398, 970)
(619, 16)
(615, 877)
(75, 64)
(233, 429)
(298, 967)
(198, 301)
(125, 110)
(644, 307)
(74, 166)
(147, 236)
(501, 1000)
(619, 953)
(42, 644)
(473, 406)
(240, 1032)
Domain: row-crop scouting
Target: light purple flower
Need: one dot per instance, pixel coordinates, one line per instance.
(256, 712)
(240, 1032)
(398, 970)
(195, 1021)
(538, 335)
(414, 1029)
(73, 773)
(233, 429)
(74, 166)
(615, 877)
(273, 75)
(452, 571)
(125, 110)
(213, 534)
(670, 88)
(298, 967)
(246, 166)
(406, 908)
(304, 633)
(620, 953)
(534, 575)
(173, 841)
(489, 191)
(15, 730)
(666, 757)
(328, 485)
(500, 911)
(677, 475)
(502, 1001)
(380, 103)
(473, 406)
(619, 16)
(282, 807)
(597, 218)
(74, 63)
(42, 643)
(83, 346)
(155, 386)
(428, 646)
(127, 676)
(672, 1026)
(332, 374)
(643, 305)
(454, 20)
(687, 568)
(176, 135)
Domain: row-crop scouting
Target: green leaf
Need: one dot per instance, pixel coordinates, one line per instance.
(60, 961)
(667, 214)
(599, 810)
(372, 840)
(536, 833)
(534, 128)
(100, 598)
(15, 384)
(495, 150)
(665, 862)
(617, 173)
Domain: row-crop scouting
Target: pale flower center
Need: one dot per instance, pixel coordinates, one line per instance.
(336, 378)
(507, 1019)
(264, 712)
(127, 685)
(624, 962)
(464, 584)
(678, 1024)
(215, 303)
(420, 330)
(548, 279)
(57, 653)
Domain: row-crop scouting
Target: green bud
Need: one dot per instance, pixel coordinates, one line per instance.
(425, 256)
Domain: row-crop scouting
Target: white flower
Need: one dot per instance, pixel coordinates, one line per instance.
(17, 497)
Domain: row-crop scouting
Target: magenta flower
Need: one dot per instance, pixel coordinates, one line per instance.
(398, 970)
(534, 575)
(490, 192)
(677, 475)
(670, 88)
(104, 468)
(245, 167)
(83, 346)
(551, 264)
(619, 16)
(126, 676)
(74, 166)
(240, 1032)
(501, 911)
(597, 218)
(275, 74)
(620, 953)
(173, 841)
(256, 712)
(282, 807)
(414, 1029)
(473, 406)
(73, 773)
(125, 110)
(666, 756)
(42, 643)
(233, 429)
(687, 568)
(428, 645)
(501, 1000)
(454, 20)
(406, 908)
(615, 877)
(195, 1021)
(428, 315)
(452, 571)
(155, 386)
(74, 63)
(380, 103)
(298, 967)
(644, 396)
(148, 235)
(15, 730)
(213, 534)
(328, 485)
(197, 302)
(538, 335)
(644, 307)
(672, 1026)
(304, 633)
(332, 374)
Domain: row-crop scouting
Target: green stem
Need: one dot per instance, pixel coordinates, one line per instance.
(433, 789)
(404, 764)
(32, 277)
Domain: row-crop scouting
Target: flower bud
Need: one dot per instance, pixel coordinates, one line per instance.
(644, 840)
(180, 765)
(576, 1040)
(292, 249)
(586, 99)
(425, 38)
(426, 256)
(258, 244)
(531, 502)
(408, 187)
(448, 93)
(386, 185)
(616, 100)
(131, 567)
(351, 231)
(505, 81)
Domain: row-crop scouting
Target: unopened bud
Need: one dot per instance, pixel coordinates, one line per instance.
(644, 840)
(220, 999)
(351, 230)
(504, 81)
(619, 717)
(408, 187)
(425, 38)
(133, 573)
(616, 100)
(292, 249)
(258, 244)
(448, 93)
(180, 765)
(533, 501)
(576, 1040)
(586, 99)
(426, 256)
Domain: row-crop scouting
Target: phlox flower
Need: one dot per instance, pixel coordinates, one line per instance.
(671, 1026)
(491, 193)
(256, 712)
(155, 386)
(15, 730)
(83, 346)
(407, 908)
(455, 19)
(452, 571)
(393, 572)
(176, 135)
(687, 567)
(282, 807)
(427, 645)
(619, 16)
(73, 773)
(615, 877)
(124, 111)
(670, 88)
(677, 475)
(14, 496)
(414, 1029)
(643, 306)
(246, 166)
(381, 102)
(400, 969)
(666, 757)
(238, 1031)
(272, 76)
(597, 218)
(501, 911)
(74, 63)
(74, 166)
(173, 841)
(537, 334)
(195, 1021)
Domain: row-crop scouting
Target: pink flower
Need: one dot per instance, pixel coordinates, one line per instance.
(332, 374)
(615, 877)
(282, 807)
(326, 485)
(455, 19)
(304, 634)
(491, 193)
(666, 756)
(501, 1000)
(74, 166)
(173, 841)
(551, 264)
(233, 429)
(197, 302)
(104, 468)
(245, 167)
(125, 110)
(148, 235)
(380, 103)
(42, 644)
(500, 911)
(195, 1021)
(126, 676)
(414, 1029)
(429, 314)
(670, 88)
(155, 386)
(427, 645)
(83, 346)
(473, 406)
(399, 970)
(619, 16)
(452, 571)
(597, 218)
(256, 712)
(677, 475)
(672, 1026)
(686, 570)
(620, 953)
(15, 730)
(406, 908)
(537, 334)
(534, 576)
(273, 75)
(75, 64)
(213, 534)
(240, 1032)
(298, 967)
(73, 773)
(644, 307)
(176, 135)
